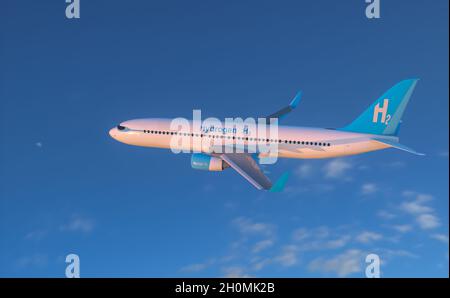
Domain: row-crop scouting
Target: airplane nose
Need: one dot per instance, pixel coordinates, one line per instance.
(113, 132)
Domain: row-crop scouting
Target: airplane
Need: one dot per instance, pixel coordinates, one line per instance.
(375, 129)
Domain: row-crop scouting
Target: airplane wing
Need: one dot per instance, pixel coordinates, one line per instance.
(286, 110)
(247, 167)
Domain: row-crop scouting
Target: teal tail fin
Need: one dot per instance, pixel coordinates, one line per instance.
(383, 117)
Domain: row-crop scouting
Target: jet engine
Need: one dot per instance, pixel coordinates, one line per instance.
(205, 162)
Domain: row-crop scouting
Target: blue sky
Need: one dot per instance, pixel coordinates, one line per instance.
(67, 187)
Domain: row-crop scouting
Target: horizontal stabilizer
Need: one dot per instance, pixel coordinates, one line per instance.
(397, 145)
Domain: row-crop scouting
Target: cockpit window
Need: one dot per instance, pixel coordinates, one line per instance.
(120, 127)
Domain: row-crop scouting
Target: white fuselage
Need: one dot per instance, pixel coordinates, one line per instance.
(292, 142)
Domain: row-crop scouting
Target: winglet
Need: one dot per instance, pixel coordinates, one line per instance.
(278, 186)
(286, 110)
(296, 100)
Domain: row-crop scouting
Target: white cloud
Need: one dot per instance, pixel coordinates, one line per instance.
(262, 245)
(247, 226)
(258, 264)
(288, 256)
(36, 235)
(428, 221)
(385, 214)
(408, 193)
(78, 224)
(318, 239)
(337, 168)
(440, 237)
(39, 144)
(414, 207)
(389, 253)
(300, 234)
(317, 233)
(402, 228)
(304, 171)
(337, 243)
(194, 267)
(197, 267)
(342, 265)
(235, 272)
(321, 232)
(417, 206)
(369, 188)
(244, 260)
(419, 197)
(422, 198)
(36, 260)
(367, 237)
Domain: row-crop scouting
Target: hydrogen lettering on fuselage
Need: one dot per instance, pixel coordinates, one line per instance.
(224, 130)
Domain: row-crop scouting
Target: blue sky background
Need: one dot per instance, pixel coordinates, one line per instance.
(67, 187)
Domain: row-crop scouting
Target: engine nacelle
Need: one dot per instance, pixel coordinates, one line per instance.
(205, 162)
